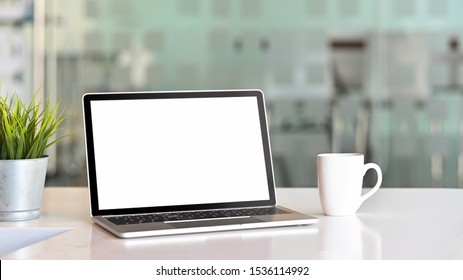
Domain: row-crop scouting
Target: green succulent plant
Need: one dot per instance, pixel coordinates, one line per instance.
(27, 129)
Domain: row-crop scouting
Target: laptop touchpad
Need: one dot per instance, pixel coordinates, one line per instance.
(217, 222)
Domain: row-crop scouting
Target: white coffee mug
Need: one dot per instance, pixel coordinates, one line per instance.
(340, 179)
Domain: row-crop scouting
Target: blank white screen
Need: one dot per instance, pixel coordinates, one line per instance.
(160, 152)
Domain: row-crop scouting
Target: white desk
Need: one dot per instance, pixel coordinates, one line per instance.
(393, 224)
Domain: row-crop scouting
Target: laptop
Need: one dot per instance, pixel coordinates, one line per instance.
(162, 163)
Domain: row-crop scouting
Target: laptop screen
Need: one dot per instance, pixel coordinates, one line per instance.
(177, 150)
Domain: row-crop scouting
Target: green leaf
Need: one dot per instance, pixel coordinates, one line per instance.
(28, 129)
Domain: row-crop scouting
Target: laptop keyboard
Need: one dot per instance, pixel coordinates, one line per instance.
(193, 215)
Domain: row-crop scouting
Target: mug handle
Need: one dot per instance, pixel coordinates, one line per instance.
(378, 182)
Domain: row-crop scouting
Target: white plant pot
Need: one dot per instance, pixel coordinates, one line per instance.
(21, 187)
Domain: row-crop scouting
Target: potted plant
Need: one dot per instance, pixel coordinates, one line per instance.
(27, 129)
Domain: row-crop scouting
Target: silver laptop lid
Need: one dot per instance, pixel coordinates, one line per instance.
(174, 151)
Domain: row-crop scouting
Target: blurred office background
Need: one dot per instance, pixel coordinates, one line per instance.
(381, 77)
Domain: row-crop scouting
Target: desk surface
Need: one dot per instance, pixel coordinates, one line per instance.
(393, 224)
